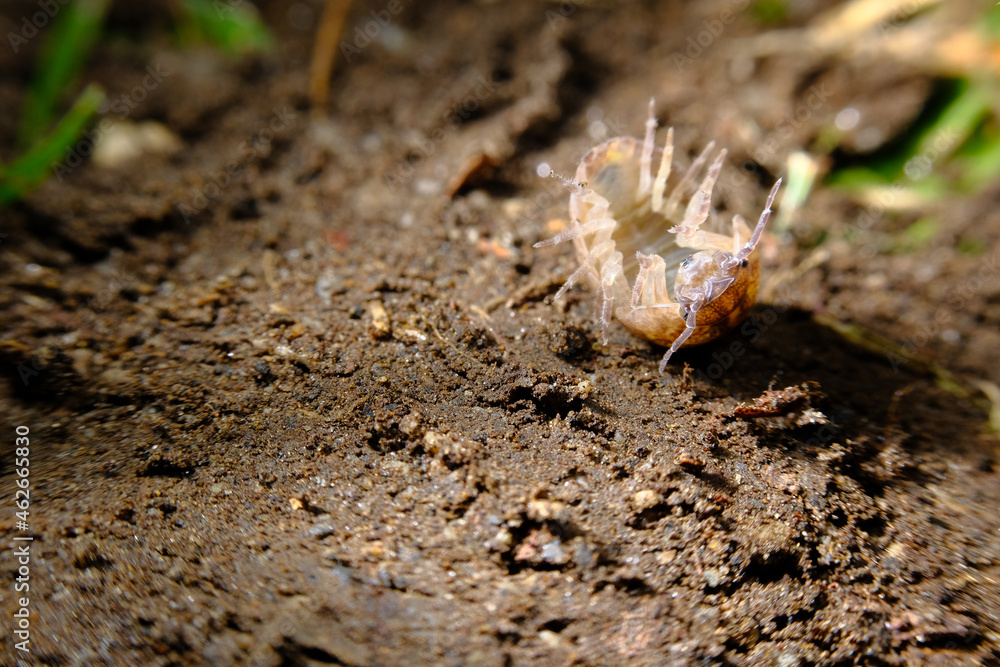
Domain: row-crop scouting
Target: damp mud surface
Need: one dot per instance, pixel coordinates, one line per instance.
(298, 392)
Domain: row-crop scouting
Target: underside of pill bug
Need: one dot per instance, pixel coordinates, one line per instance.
(635, 234)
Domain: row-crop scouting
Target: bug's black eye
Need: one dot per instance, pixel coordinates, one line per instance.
(744, 263)
(687, 261)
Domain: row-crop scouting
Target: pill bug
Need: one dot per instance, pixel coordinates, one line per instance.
(633, 238)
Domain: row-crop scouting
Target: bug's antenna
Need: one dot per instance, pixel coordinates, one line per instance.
(752, 243)
(545, 171)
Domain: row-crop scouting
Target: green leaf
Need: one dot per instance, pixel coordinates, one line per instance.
(973, 247)
(770, 12)
(957, 122)
(232, 25)
(856, 179)
(34, 167)
(990, 23)
(979, 158)
(67, 44)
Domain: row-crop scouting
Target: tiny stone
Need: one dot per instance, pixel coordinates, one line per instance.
(321, 531)
(646, 498)
(410, 423)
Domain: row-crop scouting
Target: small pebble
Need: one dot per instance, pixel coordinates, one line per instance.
(321, 531)
(646, 498)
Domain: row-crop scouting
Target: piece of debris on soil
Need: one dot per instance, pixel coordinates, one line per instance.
(785, 408)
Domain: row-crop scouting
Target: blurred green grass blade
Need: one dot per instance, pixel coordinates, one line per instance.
(34, 167)
(769, 12)
(69, 39)
(980, 156)
(990, 23)
(982, 168)
(235, 28)
(973, 247)
(959, 135)
(855, 179)
(919, 234)
(958, 120)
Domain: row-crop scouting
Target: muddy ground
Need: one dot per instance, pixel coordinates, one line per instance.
(324, 409)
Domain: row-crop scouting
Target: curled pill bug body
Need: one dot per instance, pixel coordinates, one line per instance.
(634, 235)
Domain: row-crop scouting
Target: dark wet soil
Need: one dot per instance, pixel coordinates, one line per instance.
(298, 393)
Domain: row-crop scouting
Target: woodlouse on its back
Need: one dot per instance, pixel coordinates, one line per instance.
(626, 222)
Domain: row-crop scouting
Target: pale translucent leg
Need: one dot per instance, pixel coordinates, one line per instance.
(692, 323)
(660, 184)
(645, 162)
(689, 234)
(651, 283)
(579, 231)
(687, 180)
(587, 266)
(611, 271)
(738, 225)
